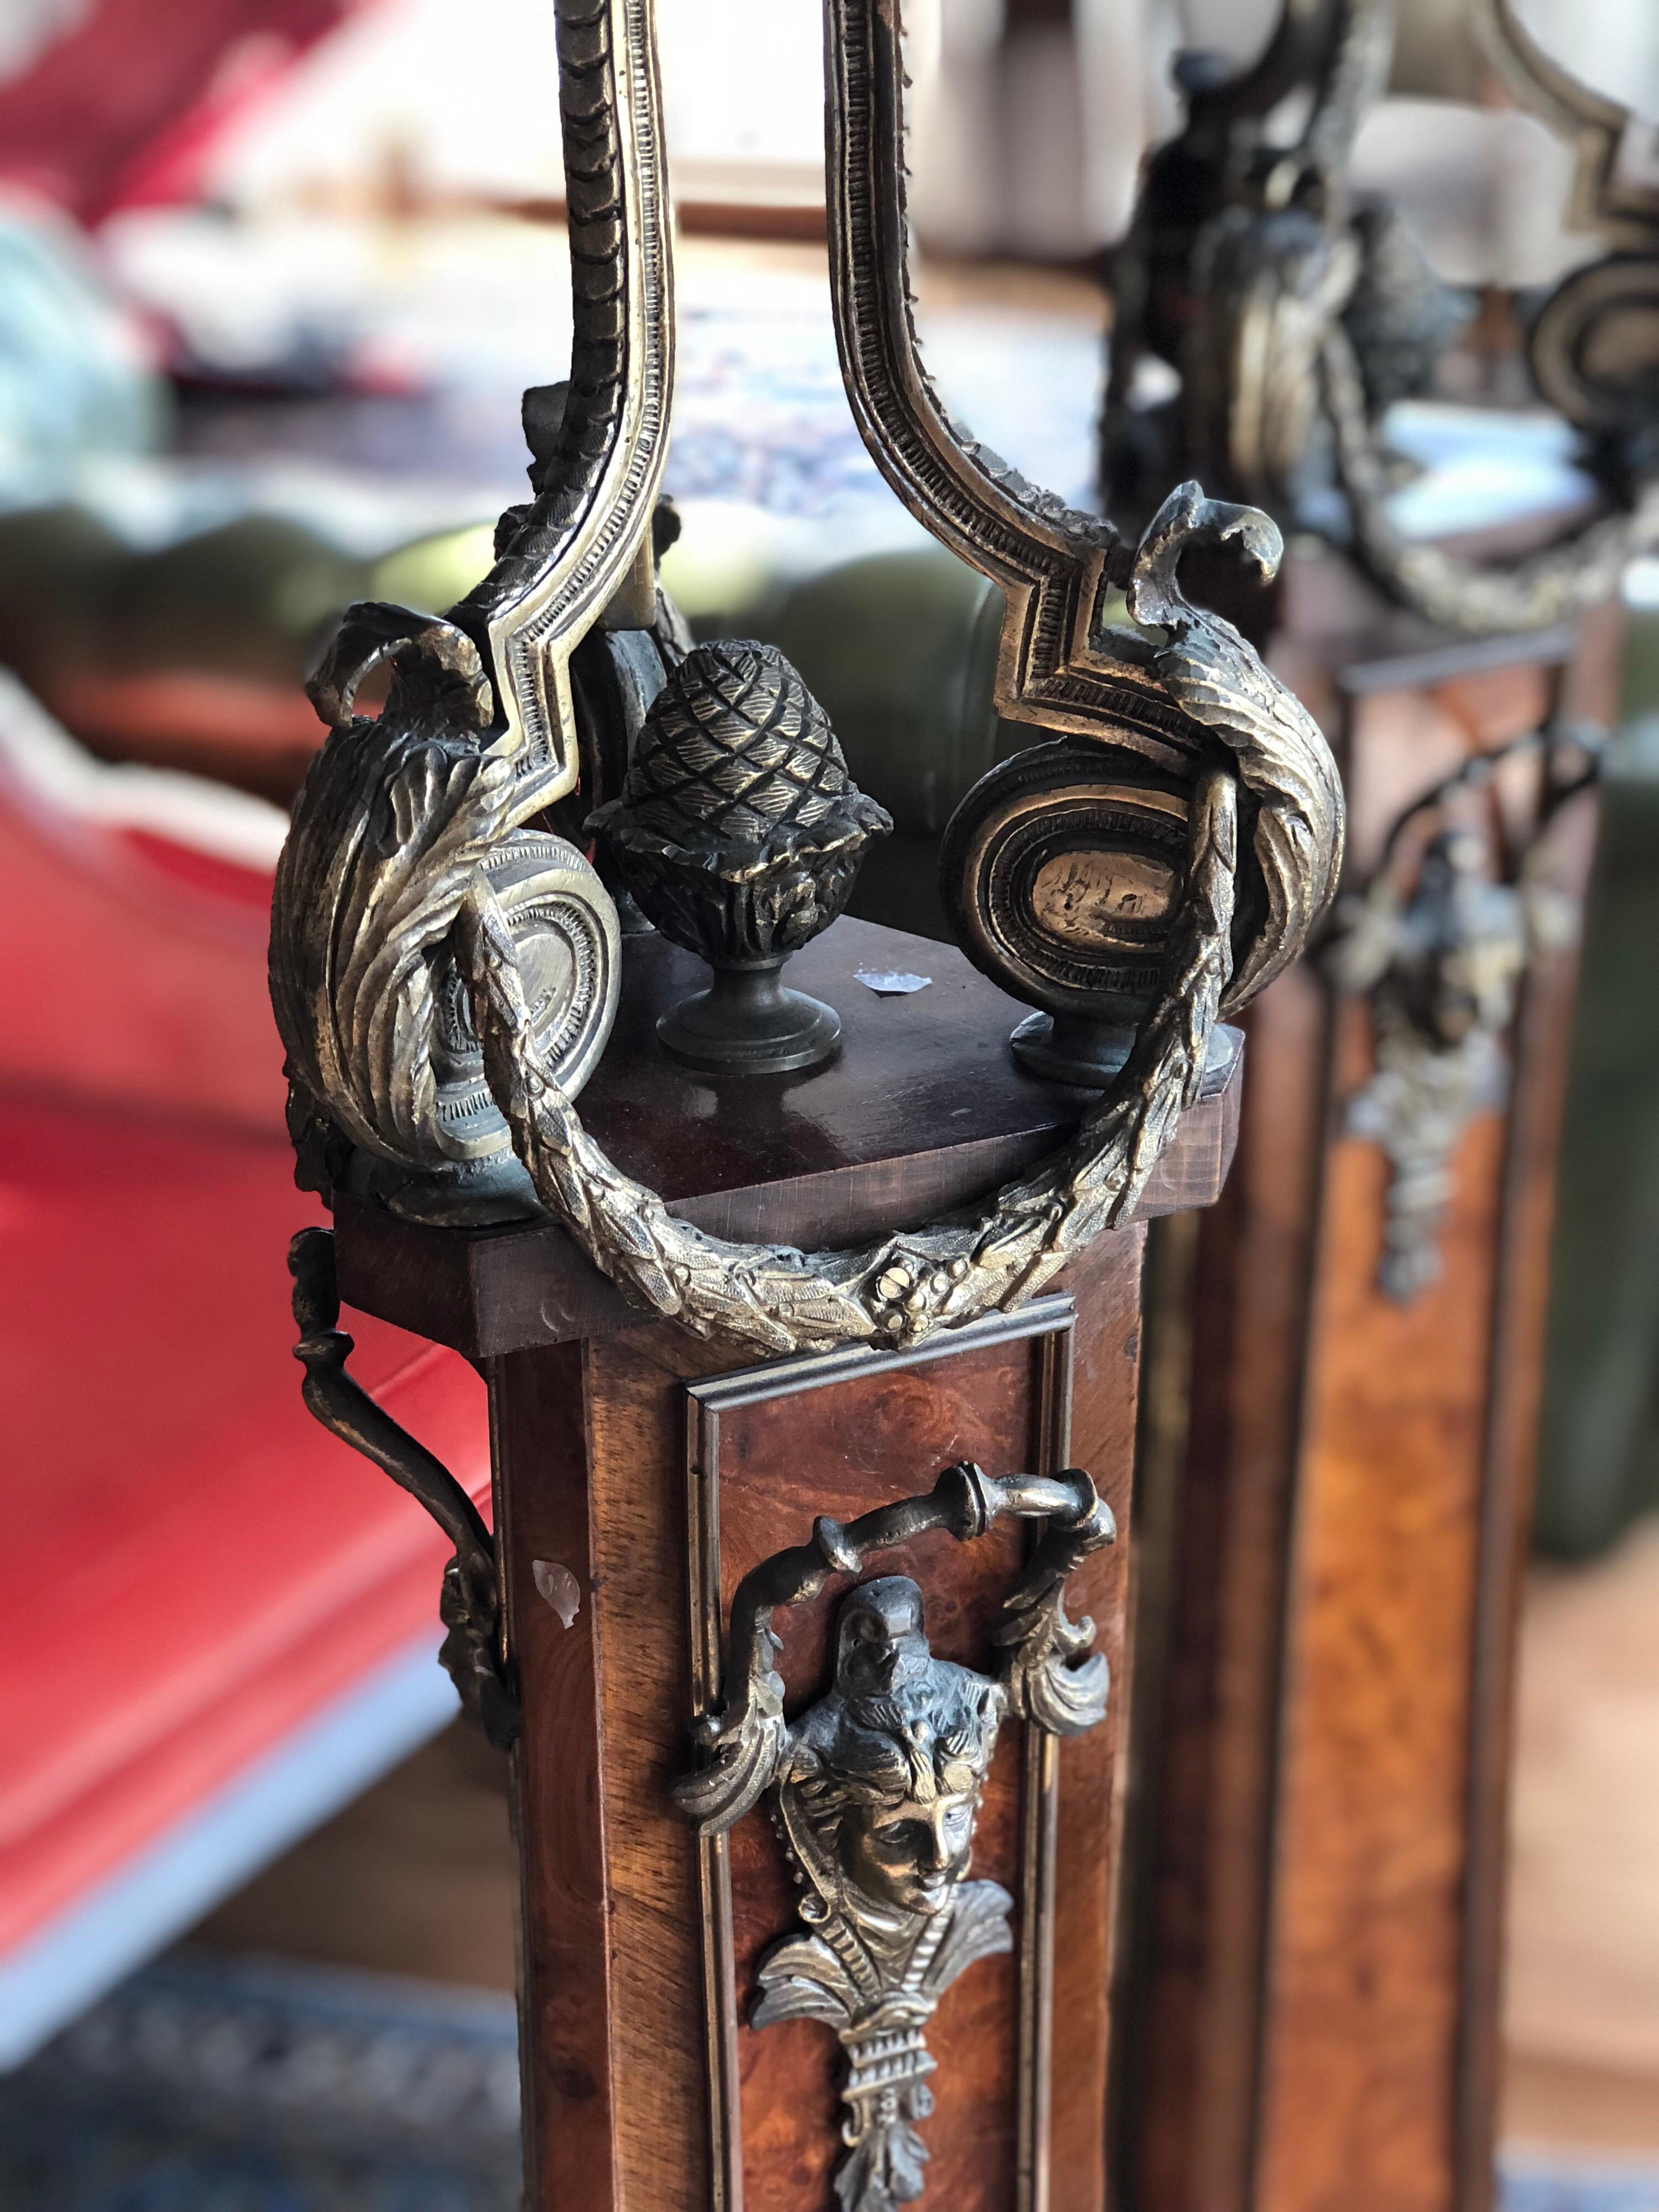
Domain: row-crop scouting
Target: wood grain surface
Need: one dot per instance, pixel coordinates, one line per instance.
(1188, 2096)
(1358, 2083)
(565, 2059)
(635, 1416)
(1093, 1770)
(1515, 1368)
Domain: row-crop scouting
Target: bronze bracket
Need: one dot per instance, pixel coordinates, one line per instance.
(473, 1654)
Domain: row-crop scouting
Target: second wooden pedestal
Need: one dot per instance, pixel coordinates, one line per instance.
(1336, 1531)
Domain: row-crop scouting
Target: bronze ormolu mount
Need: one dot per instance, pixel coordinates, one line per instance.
(1439, 941)
(1060, 885)
(415, 847)
(1293, 317)
(876, 1788)
(877, 1798)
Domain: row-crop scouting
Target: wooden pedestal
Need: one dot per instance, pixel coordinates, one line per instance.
(639, 1473)
(1331, 1560)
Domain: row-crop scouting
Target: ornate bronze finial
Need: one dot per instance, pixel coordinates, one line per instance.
(444, 970)
(877, 1798)
(740, 834)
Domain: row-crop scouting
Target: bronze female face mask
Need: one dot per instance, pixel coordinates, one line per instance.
(881, 1797)
(878, 1796)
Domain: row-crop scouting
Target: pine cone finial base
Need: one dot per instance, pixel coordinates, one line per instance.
(746, 1024)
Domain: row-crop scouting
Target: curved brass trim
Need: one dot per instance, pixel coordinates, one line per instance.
(584, 533)
(1608, 196)
(473, 1653)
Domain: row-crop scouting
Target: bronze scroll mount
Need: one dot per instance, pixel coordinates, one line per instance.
(443, 971)
(876, 1788)
(473, 1653)
(1061, 871)
(1289, 320)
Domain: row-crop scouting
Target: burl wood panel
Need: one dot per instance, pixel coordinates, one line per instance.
(1312, 2010)
(847, 1448)
(1378, 2063)
(591, 1448)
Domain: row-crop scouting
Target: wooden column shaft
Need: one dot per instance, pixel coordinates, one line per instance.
(591, 1446)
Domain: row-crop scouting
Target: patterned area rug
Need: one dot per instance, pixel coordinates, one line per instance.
(207, 2084)
(211, 2084)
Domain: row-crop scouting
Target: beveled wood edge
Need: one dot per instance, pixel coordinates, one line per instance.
(485, 1292)
(1534, 1129)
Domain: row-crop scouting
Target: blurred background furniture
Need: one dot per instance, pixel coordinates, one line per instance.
(1343, 1474)
(221, 1624)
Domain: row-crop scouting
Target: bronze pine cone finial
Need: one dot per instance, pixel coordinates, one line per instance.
(738, 768)
(740, 833)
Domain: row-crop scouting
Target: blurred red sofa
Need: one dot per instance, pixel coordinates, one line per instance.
(219, 1624)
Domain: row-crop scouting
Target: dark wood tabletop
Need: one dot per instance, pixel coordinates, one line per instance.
(924, 1108)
